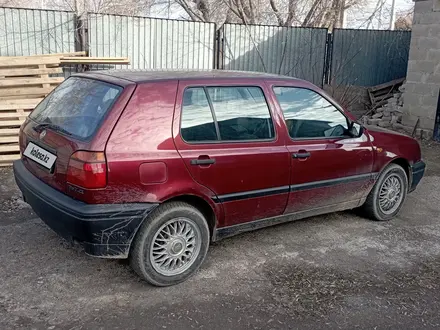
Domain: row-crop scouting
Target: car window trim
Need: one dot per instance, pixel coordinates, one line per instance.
(99, 124)
(325, 98)
(205, 87)
(214, 117)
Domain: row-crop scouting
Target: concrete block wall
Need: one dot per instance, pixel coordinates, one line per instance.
(423, 77)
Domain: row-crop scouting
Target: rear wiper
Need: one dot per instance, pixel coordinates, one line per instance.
(53, 127)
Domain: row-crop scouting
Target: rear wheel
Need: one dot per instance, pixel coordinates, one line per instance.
(388, 194)
(171, 244)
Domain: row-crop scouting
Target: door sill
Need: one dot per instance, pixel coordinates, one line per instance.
(225, 232)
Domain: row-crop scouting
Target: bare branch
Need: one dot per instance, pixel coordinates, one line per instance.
(192, 14)
(276, 12)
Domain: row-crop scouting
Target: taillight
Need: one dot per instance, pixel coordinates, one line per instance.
(87, 170)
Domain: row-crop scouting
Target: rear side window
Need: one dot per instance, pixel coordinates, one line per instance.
(225, 114)
(197, 121)
(78, 105)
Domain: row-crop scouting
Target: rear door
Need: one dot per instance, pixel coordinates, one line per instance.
(229, 143)
(329, 166)
(71, 118)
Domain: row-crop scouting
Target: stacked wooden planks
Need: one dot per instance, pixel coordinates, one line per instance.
(94, 60)
(24, 82)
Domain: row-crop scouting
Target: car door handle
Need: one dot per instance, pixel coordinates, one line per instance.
(301, 155)
(202, 161)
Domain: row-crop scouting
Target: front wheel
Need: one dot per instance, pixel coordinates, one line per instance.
(171, 244)
(388, 194)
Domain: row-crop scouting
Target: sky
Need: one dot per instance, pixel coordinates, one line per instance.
(356, 18)
(360, 18)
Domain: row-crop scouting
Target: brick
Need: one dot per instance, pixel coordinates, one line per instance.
(433, 30)
(426, 123)
(434, 54)
(428, 100)
(421, 66)
(428, 112)
(428, 43)
(420, 30)
(384, 123)
(373, 121)
(429, 18)
(417, 18)
(398, 126)
(409, 120)
(422, 112)
(423, 6)
(433, 79)
(422, 89)
(412, 99)
(391, 102)
(413, 76)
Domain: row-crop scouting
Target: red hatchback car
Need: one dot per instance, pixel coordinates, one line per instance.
(153, 166)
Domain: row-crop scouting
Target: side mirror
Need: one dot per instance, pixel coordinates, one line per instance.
(355, 129)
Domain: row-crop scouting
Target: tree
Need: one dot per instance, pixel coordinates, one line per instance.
(119, 7)
(317, 13)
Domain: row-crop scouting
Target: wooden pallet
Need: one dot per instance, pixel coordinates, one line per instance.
(380, 94)
(24, 82)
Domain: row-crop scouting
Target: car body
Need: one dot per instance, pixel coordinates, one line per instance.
(131, 156)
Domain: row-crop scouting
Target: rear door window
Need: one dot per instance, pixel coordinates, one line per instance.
(225, 114)
(78, 106)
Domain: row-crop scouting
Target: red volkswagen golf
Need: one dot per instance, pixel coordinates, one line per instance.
(153, 166)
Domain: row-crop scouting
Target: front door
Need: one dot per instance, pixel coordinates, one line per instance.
(229, 143)
(330, 167)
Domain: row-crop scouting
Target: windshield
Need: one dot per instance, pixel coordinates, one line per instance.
(77, 106)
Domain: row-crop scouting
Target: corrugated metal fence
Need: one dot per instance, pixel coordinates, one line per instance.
(153, 43)
(31, 31)
(356, 57)
(291, 51)
(368, 57)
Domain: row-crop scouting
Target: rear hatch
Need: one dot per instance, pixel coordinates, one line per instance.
(74, 117)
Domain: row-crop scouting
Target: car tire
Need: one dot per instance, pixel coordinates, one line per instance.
(170, 245)
(379, 203)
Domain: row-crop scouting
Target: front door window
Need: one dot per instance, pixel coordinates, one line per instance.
(309, 115)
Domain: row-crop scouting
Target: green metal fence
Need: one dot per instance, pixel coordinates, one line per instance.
(368, 57)
(345, 57)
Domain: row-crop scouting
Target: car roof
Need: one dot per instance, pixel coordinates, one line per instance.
(139, 76)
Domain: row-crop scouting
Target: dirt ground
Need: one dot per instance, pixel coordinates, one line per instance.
(338, 271)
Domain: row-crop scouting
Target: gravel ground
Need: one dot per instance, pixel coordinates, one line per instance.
(338, 271)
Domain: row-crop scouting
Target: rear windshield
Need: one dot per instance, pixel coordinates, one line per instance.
(77, 106)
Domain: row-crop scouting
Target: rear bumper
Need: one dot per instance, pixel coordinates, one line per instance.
(105, 230)
(417, 172)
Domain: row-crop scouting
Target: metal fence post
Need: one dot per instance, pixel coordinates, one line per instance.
(328, 59)
(81, 33)
(218, 49)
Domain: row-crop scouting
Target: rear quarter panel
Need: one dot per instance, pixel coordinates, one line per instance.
(141, 147)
